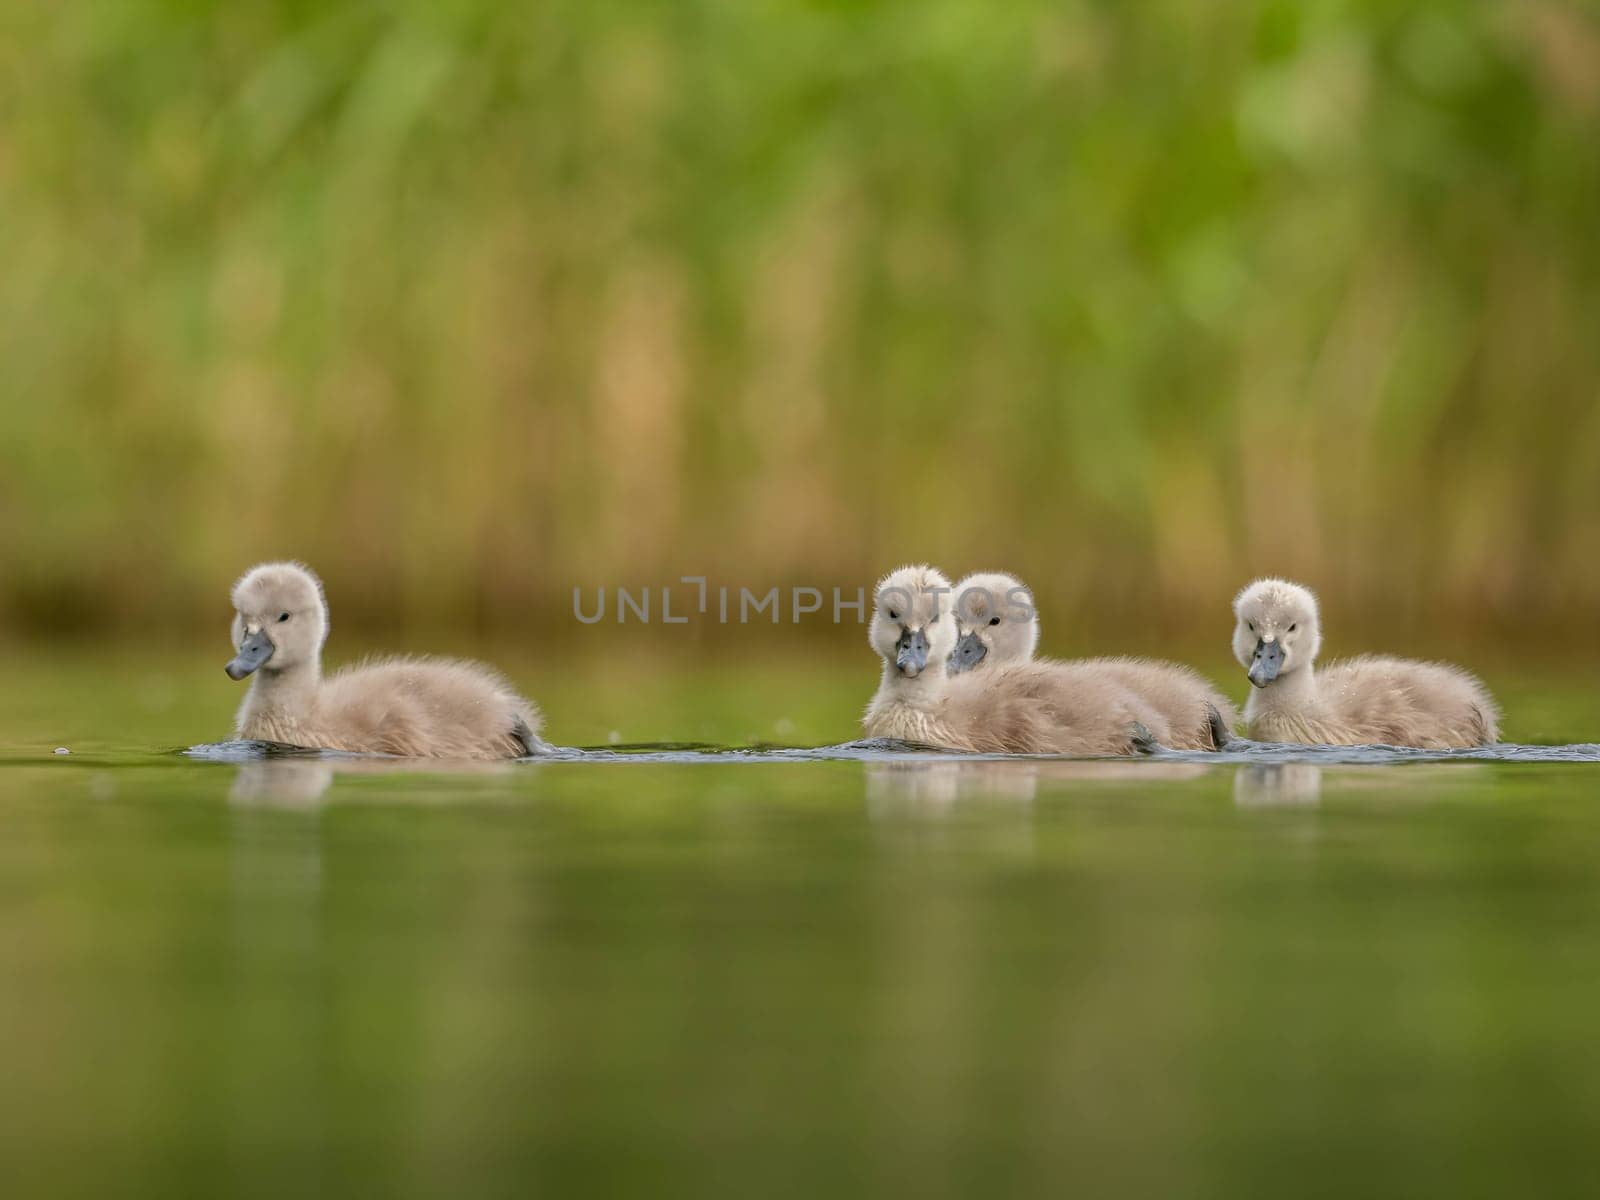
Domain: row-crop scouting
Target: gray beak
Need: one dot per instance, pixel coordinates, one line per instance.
(911, 653)
(1267, 662)
(253, 651)
(969, 652)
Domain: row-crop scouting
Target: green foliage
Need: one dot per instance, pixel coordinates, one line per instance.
(469, 302)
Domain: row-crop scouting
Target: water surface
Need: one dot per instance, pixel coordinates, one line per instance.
(675, 971)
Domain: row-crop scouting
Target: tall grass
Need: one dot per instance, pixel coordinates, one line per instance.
(468, 302)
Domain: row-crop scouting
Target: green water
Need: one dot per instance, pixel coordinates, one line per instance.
(290, 977)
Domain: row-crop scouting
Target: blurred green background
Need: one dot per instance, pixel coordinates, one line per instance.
(468, 303)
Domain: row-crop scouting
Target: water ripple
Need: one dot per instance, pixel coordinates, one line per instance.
(884, 750)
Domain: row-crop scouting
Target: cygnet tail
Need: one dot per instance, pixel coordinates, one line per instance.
(525, 738)
(1485, 729)
(1141, 740)
(1218, 728)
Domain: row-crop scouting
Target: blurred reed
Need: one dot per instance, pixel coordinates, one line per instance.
(469, 303)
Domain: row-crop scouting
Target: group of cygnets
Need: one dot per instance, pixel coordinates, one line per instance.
(959, 673)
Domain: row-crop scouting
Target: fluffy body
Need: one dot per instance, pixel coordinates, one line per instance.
(1390, 701)
(1180, 707)
(421, 707)
(1050, 708)
(1015, 708)
(1372, 699)
(1198, 716)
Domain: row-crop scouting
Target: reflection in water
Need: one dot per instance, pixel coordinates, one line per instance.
(1137, 772)
(282, 783)
(923, 787)
(896, 788)
(903, 789)
(301, 781)
(1284, 785)
(946, 803)
(276, 943)
(896, 976)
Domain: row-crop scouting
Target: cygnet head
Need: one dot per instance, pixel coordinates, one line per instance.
(280, 619)
(1277, 632)
(911, 627)
(996, 621)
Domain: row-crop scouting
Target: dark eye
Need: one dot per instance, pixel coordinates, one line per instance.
(1292, 628)
(893, 616)
(1252, 625)
(282, 617)
(994, 620)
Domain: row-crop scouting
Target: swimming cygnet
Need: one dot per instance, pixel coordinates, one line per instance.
(997, 624)
(911, 632)
(1390, 701)
(1020, 708)
(425, 707)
